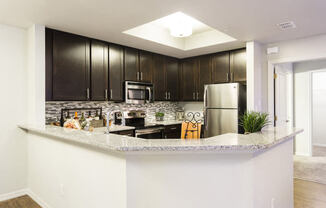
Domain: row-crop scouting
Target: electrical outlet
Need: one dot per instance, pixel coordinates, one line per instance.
(273, 203)
(62, 190)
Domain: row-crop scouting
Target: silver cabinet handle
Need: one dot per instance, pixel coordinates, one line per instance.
(232, 77)
(111, 94)
(205, 97)
(169, 96)
(227, 77)
(194, 95)
(141, 76)
(138, 77)
(106, 94)
(173, 128)
(197, 95)
(166, 95)
(87, 93)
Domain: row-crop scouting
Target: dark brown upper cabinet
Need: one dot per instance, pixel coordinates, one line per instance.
(165, 78)
(238, 66)
(145, 66)
(70, 67)
(116, 72)
(204, 75)
(189, 76)
(131, 64)
(99, 71)
(160, 93)
(221, 67)
(172, 78)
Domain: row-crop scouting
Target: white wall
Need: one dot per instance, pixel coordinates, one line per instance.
(64, 175)
(13, 108)
(319, 108)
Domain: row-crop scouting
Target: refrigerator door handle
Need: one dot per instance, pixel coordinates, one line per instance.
(205, 97)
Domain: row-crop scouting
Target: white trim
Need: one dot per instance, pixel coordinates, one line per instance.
(12, 195)
(302, 154)
(37, 199)
(22, 192)
(319, 145)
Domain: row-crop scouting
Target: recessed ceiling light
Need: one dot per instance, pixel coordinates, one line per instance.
(180, 24)
(180, 31)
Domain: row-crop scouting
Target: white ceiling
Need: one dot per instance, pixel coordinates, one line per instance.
(244, 20)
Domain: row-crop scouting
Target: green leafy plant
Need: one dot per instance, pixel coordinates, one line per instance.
(159, 114)
(253, 121)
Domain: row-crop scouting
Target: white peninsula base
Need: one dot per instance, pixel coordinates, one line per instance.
(68, 174)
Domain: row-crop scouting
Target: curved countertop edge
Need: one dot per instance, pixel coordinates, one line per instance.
(226, 143)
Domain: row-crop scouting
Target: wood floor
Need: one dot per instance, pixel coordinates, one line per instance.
(309, 194)
(20, 202)
(306, 195)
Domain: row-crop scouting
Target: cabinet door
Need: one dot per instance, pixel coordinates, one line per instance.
(131, 64)
(99, 70)
(160, 93)
(172, 78)
(145, 66)
(116, 72)
(238, 65)
(221, 68)
(188, 80)
(71, 74)
(204, 75)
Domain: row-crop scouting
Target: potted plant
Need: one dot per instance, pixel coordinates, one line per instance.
(159, 116)
(253, 121)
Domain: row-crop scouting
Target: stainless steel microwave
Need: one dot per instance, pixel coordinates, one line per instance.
(139, 92)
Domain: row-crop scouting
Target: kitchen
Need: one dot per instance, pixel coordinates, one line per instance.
(103, 113)
(113, 71)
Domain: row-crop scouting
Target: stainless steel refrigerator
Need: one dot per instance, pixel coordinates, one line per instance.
(223, 106)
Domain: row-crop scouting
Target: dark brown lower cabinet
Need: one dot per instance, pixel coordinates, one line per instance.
(116, 72)
(99, 71)
(70, 67)
(172, 131)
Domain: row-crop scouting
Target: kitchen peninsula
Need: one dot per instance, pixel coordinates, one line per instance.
(97, 170)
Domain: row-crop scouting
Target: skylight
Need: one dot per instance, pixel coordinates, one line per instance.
(180, 31)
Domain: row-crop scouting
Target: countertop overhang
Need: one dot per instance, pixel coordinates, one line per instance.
(226, 143)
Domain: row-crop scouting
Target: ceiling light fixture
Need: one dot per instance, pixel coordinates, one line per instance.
(180, 25)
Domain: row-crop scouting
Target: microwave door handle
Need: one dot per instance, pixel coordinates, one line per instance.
(149, 93)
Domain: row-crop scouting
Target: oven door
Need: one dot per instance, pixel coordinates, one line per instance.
(150, 133)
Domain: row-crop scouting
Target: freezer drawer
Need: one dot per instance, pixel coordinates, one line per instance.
(220, 121)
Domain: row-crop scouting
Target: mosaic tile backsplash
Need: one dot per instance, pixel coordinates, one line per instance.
(53, 109)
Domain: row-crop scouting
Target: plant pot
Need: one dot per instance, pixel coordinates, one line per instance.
(159, 118)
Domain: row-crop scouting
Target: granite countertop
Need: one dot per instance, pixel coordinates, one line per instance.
(234, 143)
(114, 128)
(164, 123)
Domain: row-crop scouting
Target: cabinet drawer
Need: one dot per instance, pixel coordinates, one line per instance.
(172, 128)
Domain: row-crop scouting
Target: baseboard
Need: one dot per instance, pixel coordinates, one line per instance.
(301, 154)
(319, 145)
(12, 195)
(37, 199)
